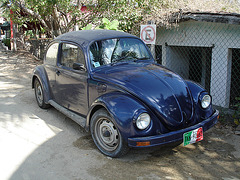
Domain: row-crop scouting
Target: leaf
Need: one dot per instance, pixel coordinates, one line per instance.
(236, 121)
(107, 27)
(114, 25)
(98, 27)
(105, 21)
(88, 27)
(101, 26)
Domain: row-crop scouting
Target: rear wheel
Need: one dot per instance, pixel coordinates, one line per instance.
(39, 95)
(106, 136)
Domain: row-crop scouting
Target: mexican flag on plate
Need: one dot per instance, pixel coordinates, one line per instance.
(193, 136)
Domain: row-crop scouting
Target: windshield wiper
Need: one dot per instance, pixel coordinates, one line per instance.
(128, 60)
(119, 59)
(142, 58)
(118, 62)
(132, 59)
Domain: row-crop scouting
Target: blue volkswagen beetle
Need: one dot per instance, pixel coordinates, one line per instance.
(108, 82)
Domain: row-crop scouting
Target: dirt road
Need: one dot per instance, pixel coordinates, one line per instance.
(45, 144)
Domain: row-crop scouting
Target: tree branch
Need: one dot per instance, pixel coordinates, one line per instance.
(34, 14)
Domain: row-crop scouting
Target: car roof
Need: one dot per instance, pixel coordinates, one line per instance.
(84, 37)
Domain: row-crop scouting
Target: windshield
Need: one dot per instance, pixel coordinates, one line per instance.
(117, 50)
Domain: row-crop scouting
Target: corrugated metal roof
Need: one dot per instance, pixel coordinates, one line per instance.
(227, 18)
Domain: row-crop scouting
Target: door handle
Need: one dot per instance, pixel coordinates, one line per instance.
(57, 72)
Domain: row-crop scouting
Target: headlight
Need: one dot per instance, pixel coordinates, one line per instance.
(206, 101)
(143, 121)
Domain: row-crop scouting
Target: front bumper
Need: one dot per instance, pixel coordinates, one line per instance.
(173, 136)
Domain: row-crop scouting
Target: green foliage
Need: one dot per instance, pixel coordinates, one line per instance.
(106, 24)
(110, 25)
(125, 15)
(30, 34)
(236, 114)
(42, 30)
(131, 14)
(55, 17)
(7, 43)
(88, 27)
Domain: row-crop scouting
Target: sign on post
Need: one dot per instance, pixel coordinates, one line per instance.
(148, 34)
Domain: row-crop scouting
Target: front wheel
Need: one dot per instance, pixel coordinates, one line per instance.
(106, 136)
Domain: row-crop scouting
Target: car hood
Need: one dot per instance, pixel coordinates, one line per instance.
(163, 91)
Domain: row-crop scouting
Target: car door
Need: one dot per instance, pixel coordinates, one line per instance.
(71, 82)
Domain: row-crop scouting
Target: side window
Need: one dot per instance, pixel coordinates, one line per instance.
(71, 54)
(51, 55)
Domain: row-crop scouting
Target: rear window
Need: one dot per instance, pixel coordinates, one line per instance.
(51, 55)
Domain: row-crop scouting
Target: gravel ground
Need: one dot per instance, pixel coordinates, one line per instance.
(45, 144)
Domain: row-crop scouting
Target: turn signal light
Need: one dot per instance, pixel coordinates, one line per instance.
(147, 143)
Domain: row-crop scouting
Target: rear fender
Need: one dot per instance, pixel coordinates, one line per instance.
(40, 73)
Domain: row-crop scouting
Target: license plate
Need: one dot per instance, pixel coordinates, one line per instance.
(193, 136)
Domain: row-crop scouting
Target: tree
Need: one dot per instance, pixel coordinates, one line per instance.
(53, 16)
(59, 16)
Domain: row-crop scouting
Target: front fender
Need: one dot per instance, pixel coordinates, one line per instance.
(124, 110)
(197, 91)
(40, 73)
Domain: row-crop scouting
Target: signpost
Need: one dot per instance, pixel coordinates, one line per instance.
(148, 33)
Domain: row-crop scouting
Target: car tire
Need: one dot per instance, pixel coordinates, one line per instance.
(39, 94)
(106, 135)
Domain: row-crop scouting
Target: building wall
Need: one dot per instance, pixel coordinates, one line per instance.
(2, 20)
(220, 37)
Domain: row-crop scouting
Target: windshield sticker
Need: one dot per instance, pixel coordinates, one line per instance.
(96, 64)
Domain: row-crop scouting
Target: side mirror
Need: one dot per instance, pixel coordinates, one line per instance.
(79, 66)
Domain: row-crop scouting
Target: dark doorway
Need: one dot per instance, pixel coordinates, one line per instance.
(199, 61)
(158, 53)
(235, 77)
(193, 63)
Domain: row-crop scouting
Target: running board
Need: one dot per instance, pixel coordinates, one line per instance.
(78, 119)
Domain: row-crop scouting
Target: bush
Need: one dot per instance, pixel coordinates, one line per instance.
(7, 43)
(236, 114)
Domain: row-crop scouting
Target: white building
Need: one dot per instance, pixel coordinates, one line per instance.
(2, 20)
(206, 49)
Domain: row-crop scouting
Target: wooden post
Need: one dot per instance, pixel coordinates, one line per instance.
(13, 33)
(152, 48)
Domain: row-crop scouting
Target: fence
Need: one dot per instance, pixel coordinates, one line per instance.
(37, 47)
(205, 52)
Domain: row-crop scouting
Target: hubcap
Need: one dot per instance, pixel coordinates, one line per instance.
(39, 93)
(107, 134)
